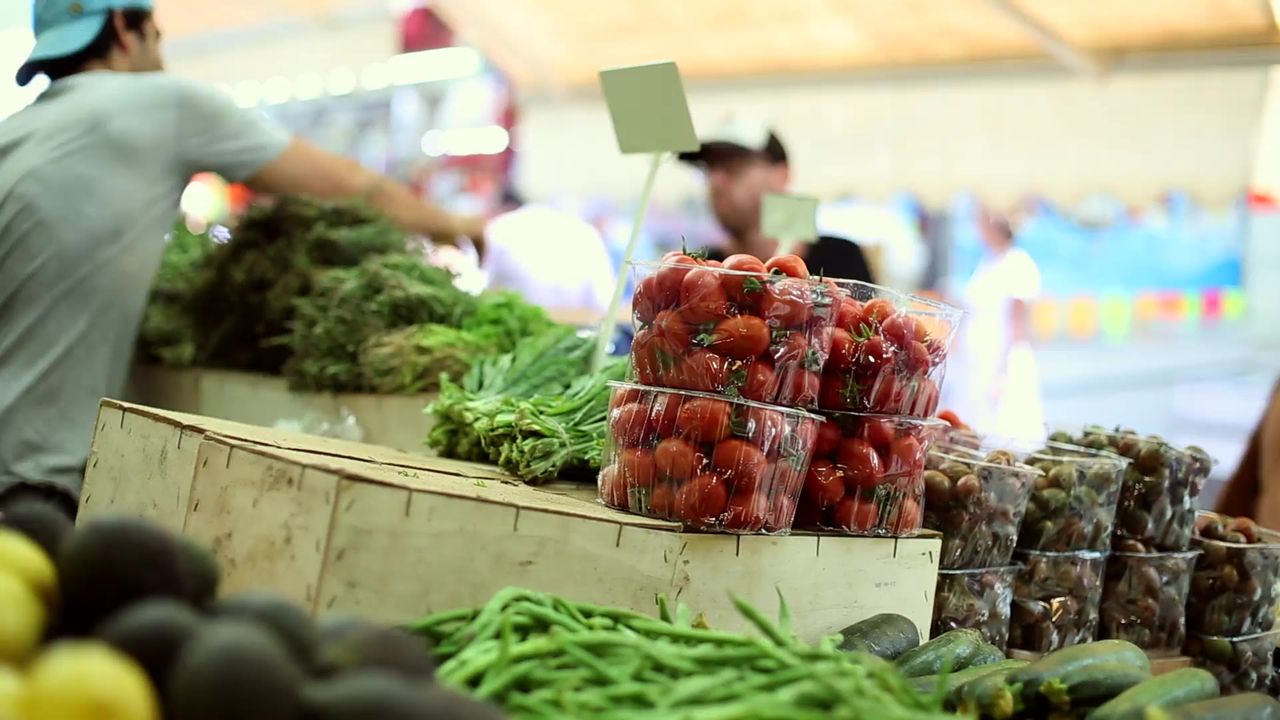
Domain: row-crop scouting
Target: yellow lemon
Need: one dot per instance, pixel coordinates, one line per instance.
(88, 681)
(21, 556)
(10, 691)
(22, 620)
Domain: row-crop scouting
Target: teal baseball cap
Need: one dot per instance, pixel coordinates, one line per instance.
(65, 27)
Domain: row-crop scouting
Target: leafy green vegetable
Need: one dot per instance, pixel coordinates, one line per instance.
(413, 359)
(167, 335)
(504, 319)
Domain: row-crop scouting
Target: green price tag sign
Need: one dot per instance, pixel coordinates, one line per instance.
(649, 110)
(789, 219)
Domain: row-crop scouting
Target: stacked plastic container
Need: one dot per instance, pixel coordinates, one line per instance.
(762, 399)
(977, 502)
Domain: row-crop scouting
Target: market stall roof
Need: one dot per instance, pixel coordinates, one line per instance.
(562, 43)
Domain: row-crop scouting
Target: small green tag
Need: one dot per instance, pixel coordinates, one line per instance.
(789, 218)
(649, 110)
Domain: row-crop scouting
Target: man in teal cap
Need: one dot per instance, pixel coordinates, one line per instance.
(90, 179)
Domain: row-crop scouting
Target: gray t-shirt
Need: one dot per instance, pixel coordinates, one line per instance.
(90, 179)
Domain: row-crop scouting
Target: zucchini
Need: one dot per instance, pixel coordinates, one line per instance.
(991, 696)
(1253, 706)
(885, 635)
(1091, 684)
(952, 650)
(1174, 688)
(1068, 659)
(987, 655)
(952, 682)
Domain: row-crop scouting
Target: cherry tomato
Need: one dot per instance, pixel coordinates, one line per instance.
(899, 329)
(907, 519)
(672, 327)
(834, 395)
(790, 348)
(622, 396)
(799, 388)
(653, 358)
(822, 340)
(702, 370)
(746, 512)
(637, 468)
(781, 514)
(856, 515)
(671, 256)
(876, 311)
(786, 303)
(880, 433)
(662, 501)
(952, 419)
(741, 337)
(761, 426)
(701, 500)
(809, 515)
(824, 485)
(676, 459)
(612, 488)
(873, 355)
(740, 463)
(663, 411)
(702, 420)
(844, 350)
(886, 394)
(762, 382)
(906, 455)
(714, 263)
(917, 358)
(646, 303)
(744, 289)
(702, 297)
(926, 399)
(848, 314)
(791, 265)
(829, 436)
(630, 425)
(671, 276)
(861, 463)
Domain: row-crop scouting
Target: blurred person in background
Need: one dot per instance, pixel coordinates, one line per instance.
(90, 180)
(993, 383)
(744, 161)
(889, 238)
(1254, 488)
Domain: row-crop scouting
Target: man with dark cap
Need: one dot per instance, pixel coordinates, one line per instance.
(743, 162)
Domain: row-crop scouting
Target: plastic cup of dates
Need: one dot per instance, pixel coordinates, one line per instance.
(1056, 596)
(1242, 664)
(866, 477)
(706, 461)
(1235, 587)
(977, 599)
(976, 500)
(744, 335)
(1144, 599)
(1073, 505)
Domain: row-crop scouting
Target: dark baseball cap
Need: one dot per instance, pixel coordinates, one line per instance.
(735, 138)
(65, 27)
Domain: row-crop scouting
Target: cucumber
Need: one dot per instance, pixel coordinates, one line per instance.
(987, 655)
(991, 696)
(1250, 706)
(1089, 685)
(886, 635)
(952, 650)
(1066, 660)
(1175, 688)
(952, 682)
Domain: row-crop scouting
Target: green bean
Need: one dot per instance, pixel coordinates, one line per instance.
(762, 623)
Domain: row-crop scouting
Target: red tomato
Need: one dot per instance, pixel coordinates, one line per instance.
(874, 355)
(860, 462)
(907, 519)
(701, 500)
(746, 512)
(741, 337)
(653, 358)
(789, 348)
(906, 455)
(952, 419)
(663, 412)
(786, 303)
(740, 463)
(886, 394)
(791, 265)
(761, 426)
(637, 468)
(630, 425)
(702, 370)
(743, 289)
(662, 501)
(799, 388)
(917, 358)
(762, 382)
(844, 350)
(856, 515)
(672, 327)
(781, 514)
(622, 396)
(926, 400)
(880, 432)
(670, 277)
(822, 340)
(877, 311)
(809, 515)
(646, 303)
(702, 297)
(612, 489)
(834, 393)
(672, 255)
(676, 459)
(824, 485)
(702, 420)
(829, 437)
(848, 314)
(714, 263)
(899, 329)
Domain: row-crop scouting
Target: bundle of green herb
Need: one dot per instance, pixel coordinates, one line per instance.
(167, 335)
(504, 319)
(413, 359)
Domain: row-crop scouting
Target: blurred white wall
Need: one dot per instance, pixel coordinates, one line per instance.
(1135, 135)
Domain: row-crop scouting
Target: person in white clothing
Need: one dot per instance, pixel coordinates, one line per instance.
(993, 381)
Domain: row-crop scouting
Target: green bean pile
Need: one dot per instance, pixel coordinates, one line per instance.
(541, 656)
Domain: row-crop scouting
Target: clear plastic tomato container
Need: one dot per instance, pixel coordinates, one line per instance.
(744, 335)
(888, 351)
(865, 478)
(1144, 599)
(1073, 505)
(1055, 599)
(1241, 664)
(979, 599)
(976, 500)
(703, 460)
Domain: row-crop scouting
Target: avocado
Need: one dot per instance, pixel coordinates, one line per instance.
(348, 643)
(364, 694)
(234, 669)
(48, 526)
(153, 633)
(200, 573)
(110, 563)
(291, 625)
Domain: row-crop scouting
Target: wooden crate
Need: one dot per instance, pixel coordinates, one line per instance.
(343, 526)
